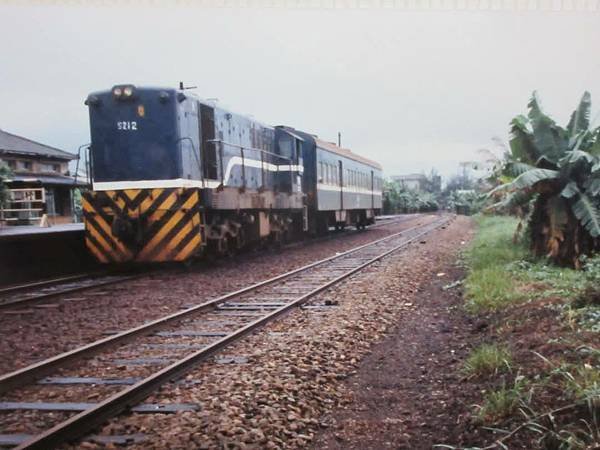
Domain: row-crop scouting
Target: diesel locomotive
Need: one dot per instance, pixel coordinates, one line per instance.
(174, 176)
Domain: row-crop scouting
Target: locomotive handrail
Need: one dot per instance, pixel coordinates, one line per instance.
(242, 148)
(196, 156)
(88, 177)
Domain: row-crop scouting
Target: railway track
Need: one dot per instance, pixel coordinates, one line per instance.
(28, 294)
(125, 368)
(31, 293)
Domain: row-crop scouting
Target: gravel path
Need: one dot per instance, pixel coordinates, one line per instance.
(300, 370)
(32, 334)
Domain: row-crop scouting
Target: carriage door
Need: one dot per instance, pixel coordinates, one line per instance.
(372, 191)
(299, 163)
(208, 148)
(341, 184)
(190, 141)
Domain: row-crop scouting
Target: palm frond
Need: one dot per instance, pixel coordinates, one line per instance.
(570, 190)
(594, 144)
(501, 188)
(549, 139)
(576, 156)
(592, 186)
(580, 119)
(512, 201)
(521, 141)
(531, 177)
(586, 211)
(516, 168)
(544, 162)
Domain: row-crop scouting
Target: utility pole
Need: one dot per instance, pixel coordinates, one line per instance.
(339, 139)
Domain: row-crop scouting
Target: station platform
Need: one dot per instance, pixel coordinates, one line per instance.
(29, 253)
(27, 232)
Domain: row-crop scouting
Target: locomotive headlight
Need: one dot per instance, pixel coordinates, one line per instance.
(128, 92)
(117, 92)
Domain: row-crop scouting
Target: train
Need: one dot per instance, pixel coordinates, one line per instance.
(174, 177)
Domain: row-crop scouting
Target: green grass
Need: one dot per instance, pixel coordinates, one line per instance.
(489, 285)
(583, 381)
(493, 246)
(501, 272)
(487, 359)
(501, 403)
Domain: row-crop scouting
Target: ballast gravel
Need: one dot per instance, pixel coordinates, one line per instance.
(291, 377)
(30, 334)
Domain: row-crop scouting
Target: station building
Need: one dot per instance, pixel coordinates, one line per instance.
(40, 184)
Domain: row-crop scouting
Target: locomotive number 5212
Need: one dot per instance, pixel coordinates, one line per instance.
(127, 126)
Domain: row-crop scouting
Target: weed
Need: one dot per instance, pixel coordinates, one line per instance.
(502, 402)
(583, 382)
(487, 359)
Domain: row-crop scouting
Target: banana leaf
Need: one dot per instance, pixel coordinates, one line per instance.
(587, 212)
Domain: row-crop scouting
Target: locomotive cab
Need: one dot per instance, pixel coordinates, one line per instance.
(144, 164)
(138, 134)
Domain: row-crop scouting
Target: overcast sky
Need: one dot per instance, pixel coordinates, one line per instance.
(413, 90)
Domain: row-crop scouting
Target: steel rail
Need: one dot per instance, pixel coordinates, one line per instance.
(48, 295)
(35, 284)
(26, 375)
(79, 424)
(36, 298)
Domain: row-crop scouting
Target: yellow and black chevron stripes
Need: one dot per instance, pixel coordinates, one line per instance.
(142, 225)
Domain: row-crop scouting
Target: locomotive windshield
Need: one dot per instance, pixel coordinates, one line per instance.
(134, 135)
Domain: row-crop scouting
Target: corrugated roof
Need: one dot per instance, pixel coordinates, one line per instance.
(11, 143)
(329, 146)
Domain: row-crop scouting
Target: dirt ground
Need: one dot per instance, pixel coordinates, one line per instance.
(409, 393)
(377, 370)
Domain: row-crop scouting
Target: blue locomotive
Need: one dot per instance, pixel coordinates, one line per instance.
(174, 176)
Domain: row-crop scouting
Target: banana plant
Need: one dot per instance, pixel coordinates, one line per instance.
(557, 170)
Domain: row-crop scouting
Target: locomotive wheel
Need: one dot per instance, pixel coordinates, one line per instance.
(229, 246)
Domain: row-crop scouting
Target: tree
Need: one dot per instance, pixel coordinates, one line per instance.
(558, 170)
(5, 174)
(398, 199)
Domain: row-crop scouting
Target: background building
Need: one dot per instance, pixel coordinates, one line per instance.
(413, 181)
(40, 182)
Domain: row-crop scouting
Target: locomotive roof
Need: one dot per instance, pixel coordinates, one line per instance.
(331, 147)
